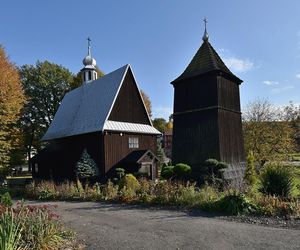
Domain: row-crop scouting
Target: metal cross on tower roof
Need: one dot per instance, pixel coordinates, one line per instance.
(205, 35)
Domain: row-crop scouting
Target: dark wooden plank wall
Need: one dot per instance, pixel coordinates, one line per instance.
(213, 129)
(228, 94)
(129, 106)
(116, 146)
(231, 137)
(63, 154)
(195, 93)
(195, 137)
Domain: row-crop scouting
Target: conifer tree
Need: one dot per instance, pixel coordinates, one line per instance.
(250, 175)
(86, 166)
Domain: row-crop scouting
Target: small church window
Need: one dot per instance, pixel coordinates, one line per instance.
(133, 142)
(90, 75)
(84, 78)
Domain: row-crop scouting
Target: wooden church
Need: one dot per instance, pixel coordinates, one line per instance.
(207, 114)
(105, 116)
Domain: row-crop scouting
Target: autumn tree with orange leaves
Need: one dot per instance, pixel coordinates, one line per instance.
(11, 102)
(147, 102)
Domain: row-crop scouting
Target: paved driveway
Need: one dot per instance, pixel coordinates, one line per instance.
(114, 226)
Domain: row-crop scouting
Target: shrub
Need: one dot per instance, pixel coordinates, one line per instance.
(182, 170)
(86, 166)
(6, 199)
(236, 204)
(46, 190)
(214, 173)
(187, 195)
(110, 191)
(167, 172)
(32, 227)
(41, 227)
(80, 188)
(130, 182)
(277, 180)
(250, 175)
(271, 206)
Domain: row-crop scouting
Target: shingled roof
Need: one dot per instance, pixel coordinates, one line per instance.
(206, 60)
(86, 109)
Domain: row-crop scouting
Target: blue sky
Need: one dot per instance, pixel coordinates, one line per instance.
(258, 40)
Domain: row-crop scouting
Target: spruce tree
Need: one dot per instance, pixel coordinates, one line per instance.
(86, 166)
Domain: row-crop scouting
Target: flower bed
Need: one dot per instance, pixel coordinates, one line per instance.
(32, 227)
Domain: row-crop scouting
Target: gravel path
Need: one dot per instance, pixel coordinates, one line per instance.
(115, 226)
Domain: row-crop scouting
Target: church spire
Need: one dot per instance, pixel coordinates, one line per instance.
(89, 72)
(205, 35)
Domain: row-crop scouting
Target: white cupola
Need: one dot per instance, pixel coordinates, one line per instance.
(89, 72)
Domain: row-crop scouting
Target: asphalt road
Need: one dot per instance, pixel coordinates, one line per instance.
(115, 226)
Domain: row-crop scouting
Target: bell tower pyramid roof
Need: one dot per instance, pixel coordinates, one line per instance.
(206, 60)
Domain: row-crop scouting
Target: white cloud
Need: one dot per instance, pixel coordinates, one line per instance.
(268, 82)
(161, 111)
(282, 89)
(238, 65)
(297, 76)
(235, 63)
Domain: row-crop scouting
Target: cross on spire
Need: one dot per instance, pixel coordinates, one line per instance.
(89, 45)
(205, 22)
(205, 35)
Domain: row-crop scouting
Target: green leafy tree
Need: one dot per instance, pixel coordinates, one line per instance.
(291, 114)
(86, 166)
(160, 124)
(45, 84)
(11, 102)
(147, 103)
(250, 173)
(266, 133)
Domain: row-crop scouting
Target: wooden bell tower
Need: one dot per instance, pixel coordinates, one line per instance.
(207, 113)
